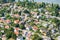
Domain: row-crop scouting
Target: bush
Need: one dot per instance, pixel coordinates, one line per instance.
(10, 35)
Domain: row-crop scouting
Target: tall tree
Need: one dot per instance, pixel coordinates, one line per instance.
(36, 37)
(1, 1)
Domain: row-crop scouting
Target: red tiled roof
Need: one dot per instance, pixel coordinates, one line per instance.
(7, 21)
(16, 21)
(7, 27)
(35, 28)
(16, 32)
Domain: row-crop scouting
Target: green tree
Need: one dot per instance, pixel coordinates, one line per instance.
(1, 1)
(0, 39)
(22, 26)
(42, 4)
(36, 37)
(10, 34)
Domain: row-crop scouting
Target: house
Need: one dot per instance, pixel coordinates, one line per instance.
(54, 31)
(26, 17)
(29, 34)
(16, 15)
(16, 21)
(51, 26)
(28, 27)
(4, 37)
(7, 21)
(19, 38)
(43, 31)
(45, 24)
(36, 21)
(1, 20)
(16, 31)
(33, 13)
(19, 7)
(38, 17)
(35, 28)
(28, 37)
(22, 17)
(46, 12)
(24, 33)
(7, 27)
